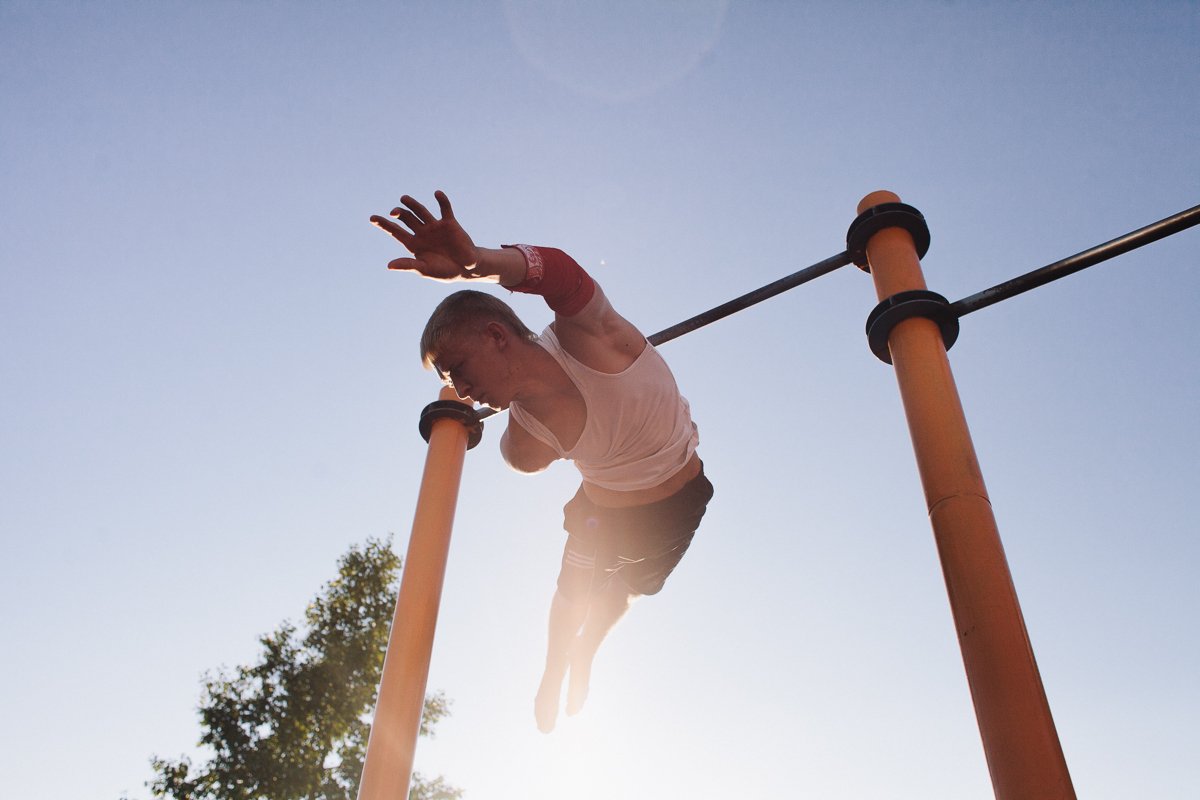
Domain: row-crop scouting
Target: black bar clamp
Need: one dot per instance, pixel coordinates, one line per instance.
(906, 305)
(450, 409)
(885, 215)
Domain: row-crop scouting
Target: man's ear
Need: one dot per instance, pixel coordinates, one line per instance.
(498, 334)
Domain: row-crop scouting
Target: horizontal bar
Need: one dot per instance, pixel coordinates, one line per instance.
(1068, 266)
(750, 298)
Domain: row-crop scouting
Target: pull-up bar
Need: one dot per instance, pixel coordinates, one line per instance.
(751, 298)
(911, 324)
(1072, 264)
(921, 303)
(893, 212)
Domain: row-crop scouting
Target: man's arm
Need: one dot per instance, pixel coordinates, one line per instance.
(586, 324)
(522, 452)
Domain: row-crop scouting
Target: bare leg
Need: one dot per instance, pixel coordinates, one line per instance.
(565, 620)
(605, 610)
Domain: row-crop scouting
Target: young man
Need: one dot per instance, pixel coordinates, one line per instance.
(590, 389)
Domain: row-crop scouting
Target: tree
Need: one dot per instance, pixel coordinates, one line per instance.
(294, 726)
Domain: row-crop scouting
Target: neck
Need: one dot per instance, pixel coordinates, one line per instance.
(543, 382)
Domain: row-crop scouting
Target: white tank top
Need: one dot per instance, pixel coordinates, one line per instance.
(639, 430)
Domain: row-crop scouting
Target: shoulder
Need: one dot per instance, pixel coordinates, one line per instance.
(599, 337)
(586, 325)
(522, 451)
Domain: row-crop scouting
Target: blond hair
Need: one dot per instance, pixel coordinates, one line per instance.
(467, 311)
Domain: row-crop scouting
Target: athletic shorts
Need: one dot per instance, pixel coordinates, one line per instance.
(639, 545)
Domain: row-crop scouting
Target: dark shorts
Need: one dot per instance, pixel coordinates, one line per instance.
(639, 545)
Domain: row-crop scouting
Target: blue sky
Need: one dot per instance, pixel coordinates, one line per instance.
(211, 385)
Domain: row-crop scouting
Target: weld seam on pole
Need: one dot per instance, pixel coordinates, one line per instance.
(958, 496)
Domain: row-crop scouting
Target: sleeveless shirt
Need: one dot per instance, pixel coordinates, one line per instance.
(639, 430)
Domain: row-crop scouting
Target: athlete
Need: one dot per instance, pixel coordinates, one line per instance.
(591, 389)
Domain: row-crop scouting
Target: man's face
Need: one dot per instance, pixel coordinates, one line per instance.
(472, 364)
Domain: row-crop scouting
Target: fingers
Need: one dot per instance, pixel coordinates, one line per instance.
(407, 217)
(399, 234)
(444, 204)
(415, 215)
(405, 263)
(421, 211)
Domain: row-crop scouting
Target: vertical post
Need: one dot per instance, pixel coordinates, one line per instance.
(387, 768)
(1024, 756)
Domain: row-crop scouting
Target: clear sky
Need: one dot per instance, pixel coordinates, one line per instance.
(210, 383)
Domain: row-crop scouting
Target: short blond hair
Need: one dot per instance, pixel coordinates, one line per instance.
(467, 311)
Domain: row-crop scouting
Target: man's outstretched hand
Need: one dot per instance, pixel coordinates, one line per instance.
(441, 249)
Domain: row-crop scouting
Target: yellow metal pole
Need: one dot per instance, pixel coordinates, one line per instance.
(387, 768)
(1024, 756)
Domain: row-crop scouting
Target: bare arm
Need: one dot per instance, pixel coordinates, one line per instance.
(442, 250)
(522, 452)
(600, 337)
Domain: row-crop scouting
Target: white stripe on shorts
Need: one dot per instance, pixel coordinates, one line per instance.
(579, 560)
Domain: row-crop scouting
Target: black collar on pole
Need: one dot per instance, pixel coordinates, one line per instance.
(452, 409)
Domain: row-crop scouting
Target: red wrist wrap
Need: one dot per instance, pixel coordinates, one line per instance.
(553, 274)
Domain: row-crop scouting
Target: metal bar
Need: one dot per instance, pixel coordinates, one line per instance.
(751, 298)
(1023, 753)
(1077, 262)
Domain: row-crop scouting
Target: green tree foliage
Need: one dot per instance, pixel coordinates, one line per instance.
(294, 726)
